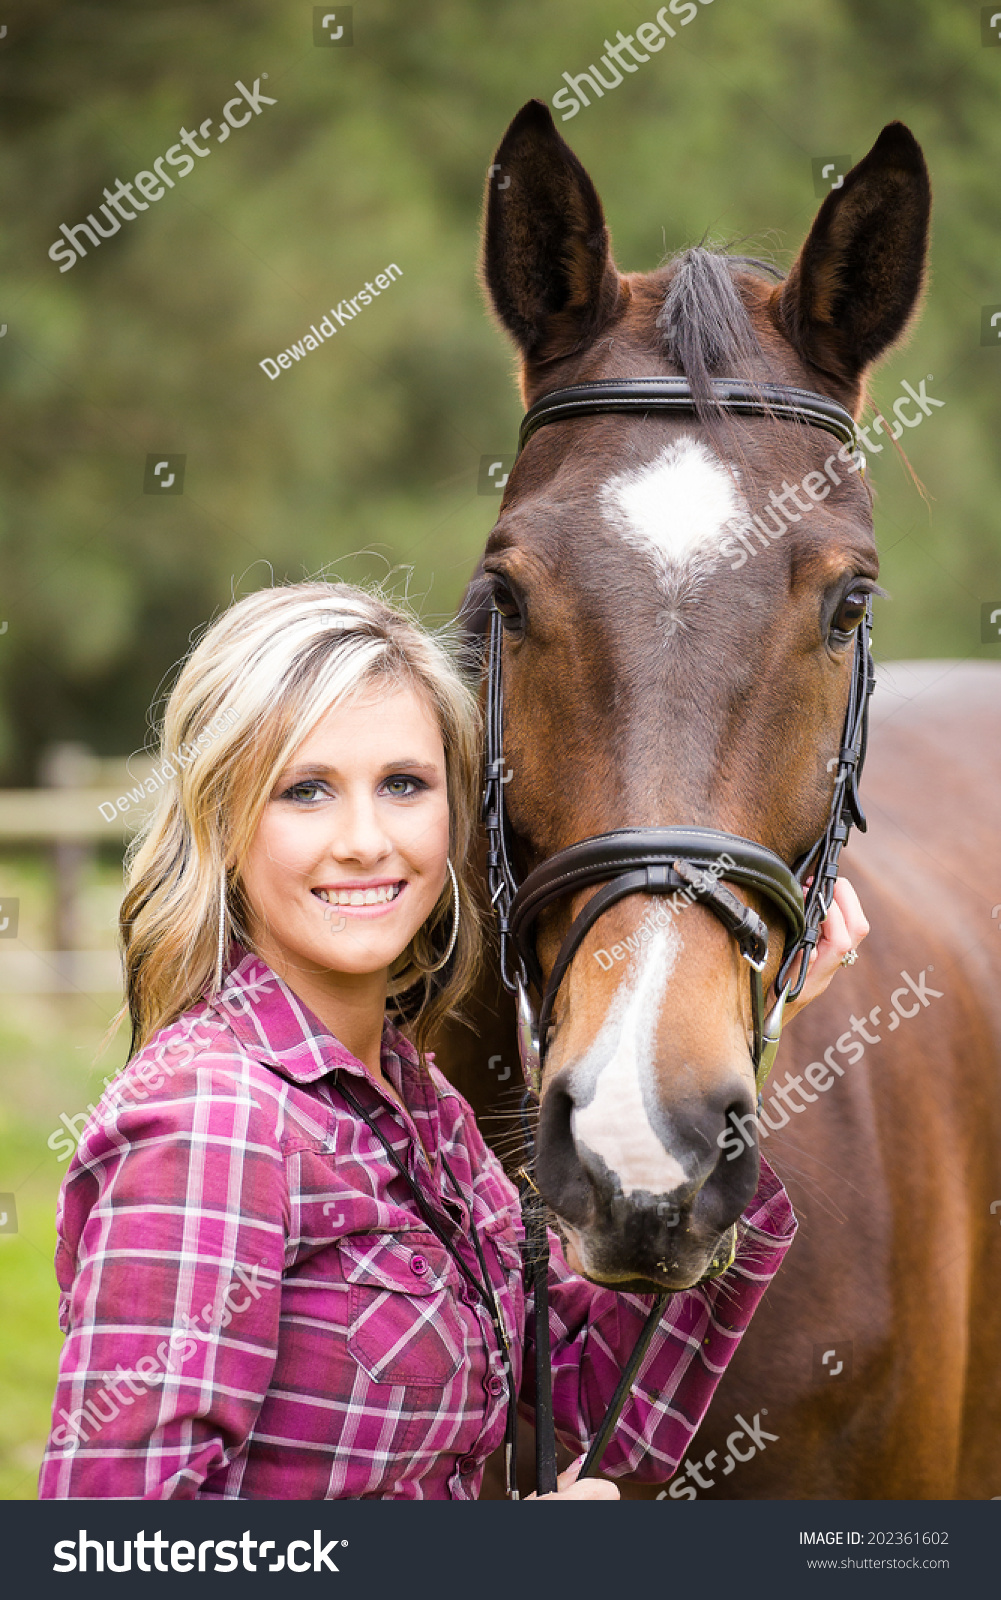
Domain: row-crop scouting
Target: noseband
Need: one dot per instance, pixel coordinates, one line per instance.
(697, 862)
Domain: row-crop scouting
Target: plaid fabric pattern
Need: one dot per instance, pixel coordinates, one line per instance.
(255, 1309)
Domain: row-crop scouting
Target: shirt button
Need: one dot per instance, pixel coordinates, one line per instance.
(469, 1295)
(496, 1384)
(418, 1265)
(468, 1464)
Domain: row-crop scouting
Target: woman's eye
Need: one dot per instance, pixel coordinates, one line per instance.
(306, 791)
(401, 788)
(850, 612)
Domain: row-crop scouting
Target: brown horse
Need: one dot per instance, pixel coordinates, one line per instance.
(667, 660)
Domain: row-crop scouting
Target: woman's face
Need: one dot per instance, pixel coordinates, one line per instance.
(349, 857)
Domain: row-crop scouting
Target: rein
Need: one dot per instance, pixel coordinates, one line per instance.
(698, 861)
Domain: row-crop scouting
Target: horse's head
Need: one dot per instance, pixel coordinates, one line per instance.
(679, 599)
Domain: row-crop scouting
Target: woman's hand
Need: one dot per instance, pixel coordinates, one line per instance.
(567, 1487)
(843, 929)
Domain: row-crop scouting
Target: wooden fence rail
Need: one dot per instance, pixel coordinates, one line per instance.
(63, 817)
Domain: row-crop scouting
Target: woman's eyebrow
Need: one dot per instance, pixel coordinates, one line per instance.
(317, 769)
(410, 763)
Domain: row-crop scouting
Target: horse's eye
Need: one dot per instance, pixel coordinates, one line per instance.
(506, 604)
(850, 612)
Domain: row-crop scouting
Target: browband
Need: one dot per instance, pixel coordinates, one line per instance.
(777, 400)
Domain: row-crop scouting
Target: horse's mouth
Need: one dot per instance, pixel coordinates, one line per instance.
(690, 1266)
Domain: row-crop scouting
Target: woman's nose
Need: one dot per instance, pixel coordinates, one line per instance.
(359, 833)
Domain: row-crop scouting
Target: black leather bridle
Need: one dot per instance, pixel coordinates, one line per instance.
(695, 861)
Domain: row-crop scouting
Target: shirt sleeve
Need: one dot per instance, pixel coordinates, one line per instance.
(171, 1229)
(593, 1333)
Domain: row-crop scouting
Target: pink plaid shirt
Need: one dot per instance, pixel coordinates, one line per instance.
(255, 1309)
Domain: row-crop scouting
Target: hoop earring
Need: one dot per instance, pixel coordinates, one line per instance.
(221, 948)
(455, 922)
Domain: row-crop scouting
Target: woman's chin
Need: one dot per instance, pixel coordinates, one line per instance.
(312, 958)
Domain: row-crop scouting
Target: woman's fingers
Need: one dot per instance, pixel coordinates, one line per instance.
(850, 906)
(590, 1489)
(568, 1487)
(841, 931)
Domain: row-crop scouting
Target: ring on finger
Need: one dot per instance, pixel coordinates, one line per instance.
(849, 958)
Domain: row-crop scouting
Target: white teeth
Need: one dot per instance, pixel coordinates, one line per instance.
(360, 897)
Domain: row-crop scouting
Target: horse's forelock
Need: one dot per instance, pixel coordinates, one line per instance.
(705, 325)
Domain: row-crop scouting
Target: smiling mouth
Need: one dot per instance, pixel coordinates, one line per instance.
(379, 895)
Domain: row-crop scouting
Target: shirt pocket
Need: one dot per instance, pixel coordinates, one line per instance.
(403, 1323)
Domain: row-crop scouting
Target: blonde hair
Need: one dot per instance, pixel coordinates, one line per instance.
(252, 689)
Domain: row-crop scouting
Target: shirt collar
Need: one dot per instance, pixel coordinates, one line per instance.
(275, 1027)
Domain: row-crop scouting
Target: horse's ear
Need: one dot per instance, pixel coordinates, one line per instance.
(546, 267)
(859, 274)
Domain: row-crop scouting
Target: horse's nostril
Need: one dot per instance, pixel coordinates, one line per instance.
(736, 1166)
(562, 1179)
(738, 1113)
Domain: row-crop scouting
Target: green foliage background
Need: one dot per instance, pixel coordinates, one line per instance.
(365, 456)
(374, 154)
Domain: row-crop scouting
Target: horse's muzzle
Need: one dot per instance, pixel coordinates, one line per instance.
(640, 1240)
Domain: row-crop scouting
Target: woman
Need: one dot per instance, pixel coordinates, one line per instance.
(289, 1265)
